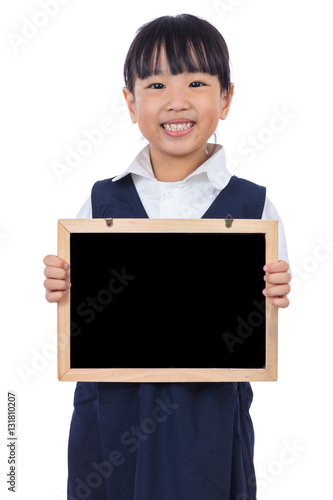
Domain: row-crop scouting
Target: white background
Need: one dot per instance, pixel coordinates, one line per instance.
(61, 76)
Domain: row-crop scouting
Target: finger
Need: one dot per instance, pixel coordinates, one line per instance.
(56, 273)
(281, 302)
(54, 261)
(55, 296)
(276, 291)
(277, 278)
(55, 285)
(277, 267)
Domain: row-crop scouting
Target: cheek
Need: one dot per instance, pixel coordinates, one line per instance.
(211, 106)
(148, 118)
(211, 113)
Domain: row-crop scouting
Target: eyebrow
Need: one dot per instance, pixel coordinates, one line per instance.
(168, 73)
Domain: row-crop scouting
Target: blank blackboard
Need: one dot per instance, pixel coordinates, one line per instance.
(176, 300)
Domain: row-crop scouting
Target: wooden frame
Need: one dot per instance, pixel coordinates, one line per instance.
(268, 228)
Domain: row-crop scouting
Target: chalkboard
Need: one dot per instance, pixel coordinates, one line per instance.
(167, 300)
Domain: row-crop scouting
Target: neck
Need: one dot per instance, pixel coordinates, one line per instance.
(169, 168)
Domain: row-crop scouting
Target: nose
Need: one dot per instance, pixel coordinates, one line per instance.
(177, 100)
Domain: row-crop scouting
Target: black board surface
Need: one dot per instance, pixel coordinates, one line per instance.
(167, 300)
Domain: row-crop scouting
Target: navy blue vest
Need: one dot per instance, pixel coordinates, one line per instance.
(196, 439)
(241, 199)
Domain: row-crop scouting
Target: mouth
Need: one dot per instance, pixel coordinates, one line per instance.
(177, 127)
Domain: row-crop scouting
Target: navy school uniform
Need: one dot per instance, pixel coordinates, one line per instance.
(164, 441)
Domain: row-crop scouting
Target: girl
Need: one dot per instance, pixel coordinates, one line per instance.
(185, 441)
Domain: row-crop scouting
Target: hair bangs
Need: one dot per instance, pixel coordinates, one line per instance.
(189, 43)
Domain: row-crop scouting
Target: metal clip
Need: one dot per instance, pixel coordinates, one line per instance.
(109, 222)
(228, 221)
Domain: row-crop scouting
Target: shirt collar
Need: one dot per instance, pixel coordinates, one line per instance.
(214, 167)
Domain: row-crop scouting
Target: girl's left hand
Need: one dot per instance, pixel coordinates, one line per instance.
(278, 277)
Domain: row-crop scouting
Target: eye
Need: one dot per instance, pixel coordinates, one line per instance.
(197, 84)
(157, 86)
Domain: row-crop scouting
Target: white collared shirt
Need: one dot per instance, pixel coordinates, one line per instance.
(189, 198)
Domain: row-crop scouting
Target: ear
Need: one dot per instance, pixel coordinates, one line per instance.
(129, 98)
(226, 102)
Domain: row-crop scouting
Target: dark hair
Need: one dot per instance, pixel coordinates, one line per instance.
(191, 45)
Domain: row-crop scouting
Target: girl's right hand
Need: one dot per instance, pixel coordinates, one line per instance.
(56, 283)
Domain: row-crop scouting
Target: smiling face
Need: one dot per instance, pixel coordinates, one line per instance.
(177, 114)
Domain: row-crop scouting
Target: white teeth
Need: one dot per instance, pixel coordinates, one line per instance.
(174, 127)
